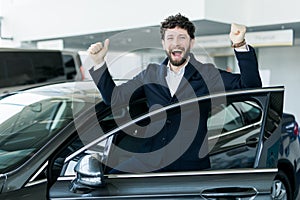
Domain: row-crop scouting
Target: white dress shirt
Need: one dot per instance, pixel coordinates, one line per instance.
(173, 78)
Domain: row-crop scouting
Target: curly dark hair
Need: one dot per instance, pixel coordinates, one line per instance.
(180, 21)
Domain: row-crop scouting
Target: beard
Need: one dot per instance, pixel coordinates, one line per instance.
(178, 63)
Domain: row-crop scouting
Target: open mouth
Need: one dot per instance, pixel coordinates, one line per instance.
(177, 52)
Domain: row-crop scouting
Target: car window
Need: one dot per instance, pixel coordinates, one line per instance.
(70, 67)
(25, 67)
(233, 132)
(227, 118)
(232, 140)
(233, 116)
(251, 112)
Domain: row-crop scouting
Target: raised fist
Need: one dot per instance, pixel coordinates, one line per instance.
(237, 33)
(98, 51)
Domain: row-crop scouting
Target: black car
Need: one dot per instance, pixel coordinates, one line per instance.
(62, 142)
(289, 160)
(23, 68)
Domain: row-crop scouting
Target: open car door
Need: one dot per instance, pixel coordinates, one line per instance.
(243, 138)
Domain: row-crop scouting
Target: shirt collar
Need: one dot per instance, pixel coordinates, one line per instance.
(181, 71)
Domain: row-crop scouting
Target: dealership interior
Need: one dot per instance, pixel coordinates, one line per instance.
(133, 29)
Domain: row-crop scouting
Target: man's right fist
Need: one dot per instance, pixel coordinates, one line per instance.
(98, 51)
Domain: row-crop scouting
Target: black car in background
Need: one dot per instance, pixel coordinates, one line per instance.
(288, 163)
(61, 142)
(23, 68)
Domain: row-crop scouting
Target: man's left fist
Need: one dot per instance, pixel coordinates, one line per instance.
(237, 33)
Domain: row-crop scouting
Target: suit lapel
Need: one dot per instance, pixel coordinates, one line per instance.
(188, 73)
(162, 79)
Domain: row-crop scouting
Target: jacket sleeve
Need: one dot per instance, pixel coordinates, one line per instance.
(249, 74)
(111, 93)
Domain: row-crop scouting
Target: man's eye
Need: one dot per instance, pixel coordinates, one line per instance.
(169, 38)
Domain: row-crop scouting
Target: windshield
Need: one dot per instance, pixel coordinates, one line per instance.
(28, 120)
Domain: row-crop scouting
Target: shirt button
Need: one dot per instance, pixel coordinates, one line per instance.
(168, 121)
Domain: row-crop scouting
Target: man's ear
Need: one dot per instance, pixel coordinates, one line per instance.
(163, 44)
(192, 42)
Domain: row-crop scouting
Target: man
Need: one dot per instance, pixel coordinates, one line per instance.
(179, 77)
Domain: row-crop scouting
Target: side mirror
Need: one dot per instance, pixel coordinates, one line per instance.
(89, 174)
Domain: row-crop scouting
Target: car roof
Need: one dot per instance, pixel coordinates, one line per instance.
(81, 89)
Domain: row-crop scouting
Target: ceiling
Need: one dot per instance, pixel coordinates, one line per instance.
(150, 36)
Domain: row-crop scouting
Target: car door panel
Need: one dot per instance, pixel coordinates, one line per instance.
(245, 183)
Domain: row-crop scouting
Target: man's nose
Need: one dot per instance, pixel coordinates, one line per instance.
(176, 41)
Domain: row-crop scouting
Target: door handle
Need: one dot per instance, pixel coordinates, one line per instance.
(229, 192)
(252, 142)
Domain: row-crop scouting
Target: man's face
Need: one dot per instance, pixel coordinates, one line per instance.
(177, 44)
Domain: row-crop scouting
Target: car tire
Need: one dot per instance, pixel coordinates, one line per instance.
(281, 189)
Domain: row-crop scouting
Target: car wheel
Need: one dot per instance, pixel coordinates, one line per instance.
(281, 189)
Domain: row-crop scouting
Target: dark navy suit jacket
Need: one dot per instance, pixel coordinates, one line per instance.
(199, 79)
